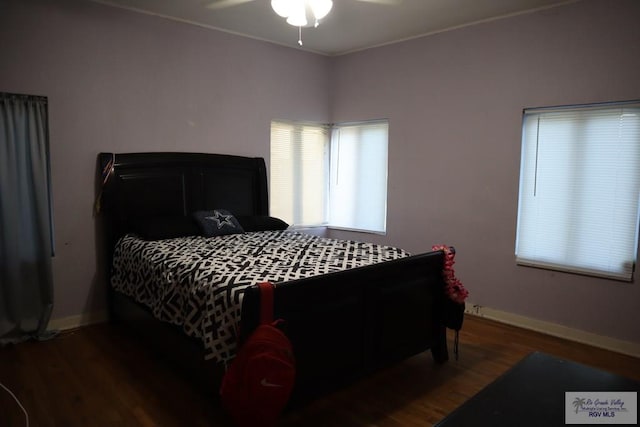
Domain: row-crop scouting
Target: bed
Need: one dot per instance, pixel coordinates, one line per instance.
(342, 324)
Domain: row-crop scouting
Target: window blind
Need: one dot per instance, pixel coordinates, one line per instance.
(299, 172)
(358, 187)
(579, 190)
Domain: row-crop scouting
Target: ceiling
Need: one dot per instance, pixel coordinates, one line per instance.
(350, 26)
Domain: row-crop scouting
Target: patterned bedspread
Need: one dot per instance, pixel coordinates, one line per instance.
(198, 283)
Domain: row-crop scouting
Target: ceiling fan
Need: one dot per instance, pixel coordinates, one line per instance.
(222, 4)
(298, 13)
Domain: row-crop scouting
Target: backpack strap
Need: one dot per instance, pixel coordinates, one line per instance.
(266, 302)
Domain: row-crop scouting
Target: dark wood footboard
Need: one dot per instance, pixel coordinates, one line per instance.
(345, 325)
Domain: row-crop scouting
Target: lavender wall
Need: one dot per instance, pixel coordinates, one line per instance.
(122, 81)
(454, 102)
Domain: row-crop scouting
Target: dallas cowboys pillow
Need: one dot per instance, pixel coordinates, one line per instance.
(218, 222)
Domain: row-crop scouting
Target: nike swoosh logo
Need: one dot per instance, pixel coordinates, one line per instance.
(265, 383)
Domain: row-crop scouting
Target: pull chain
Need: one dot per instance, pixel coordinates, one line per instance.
(300, 36)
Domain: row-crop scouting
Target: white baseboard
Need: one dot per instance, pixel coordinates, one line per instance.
(560, 331)
(73, 322)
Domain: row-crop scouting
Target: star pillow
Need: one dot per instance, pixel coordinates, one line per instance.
(218, 222)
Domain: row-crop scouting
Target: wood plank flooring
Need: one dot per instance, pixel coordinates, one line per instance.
(101, 376)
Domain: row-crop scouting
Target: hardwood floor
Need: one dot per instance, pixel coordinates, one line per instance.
(100, 376)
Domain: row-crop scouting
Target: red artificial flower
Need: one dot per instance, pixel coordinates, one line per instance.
(454, 288)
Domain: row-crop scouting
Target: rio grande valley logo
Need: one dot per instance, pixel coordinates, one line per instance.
(601, 408)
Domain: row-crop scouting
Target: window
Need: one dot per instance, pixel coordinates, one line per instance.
(579, 189)
(330, 175)
(358, 186)
(299, 168)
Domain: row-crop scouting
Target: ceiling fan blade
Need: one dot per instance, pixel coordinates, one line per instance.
(384, 2)
(222, 4)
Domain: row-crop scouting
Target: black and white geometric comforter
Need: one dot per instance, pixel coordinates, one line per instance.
(198, 282)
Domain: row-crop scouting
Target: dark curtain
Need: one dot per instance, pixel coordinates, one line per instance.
(26, 284)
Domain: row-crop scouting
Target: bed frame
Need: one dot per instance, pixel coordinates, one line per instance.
(342, 325)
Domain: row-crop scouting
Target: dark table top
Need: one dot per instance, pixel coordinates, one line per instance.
(532, 393)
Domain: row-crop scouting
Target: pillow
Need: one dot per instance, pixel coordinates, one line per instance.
(218, 222)
(262, 223)
(165, 227)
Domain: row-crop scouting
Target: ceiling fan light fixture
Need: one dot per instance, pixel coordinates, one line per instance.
(295, 11)
(320, 8)
(281, 7)
(297, 21)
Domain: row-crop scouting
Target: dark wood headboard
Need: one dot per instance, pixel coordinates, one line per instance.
(145, 185)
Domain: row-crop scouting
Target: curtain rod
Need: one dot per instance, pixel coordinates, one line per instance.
(9, 95)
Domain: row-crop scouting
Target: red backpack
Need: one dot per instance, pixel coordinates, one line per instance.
(256, 387)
